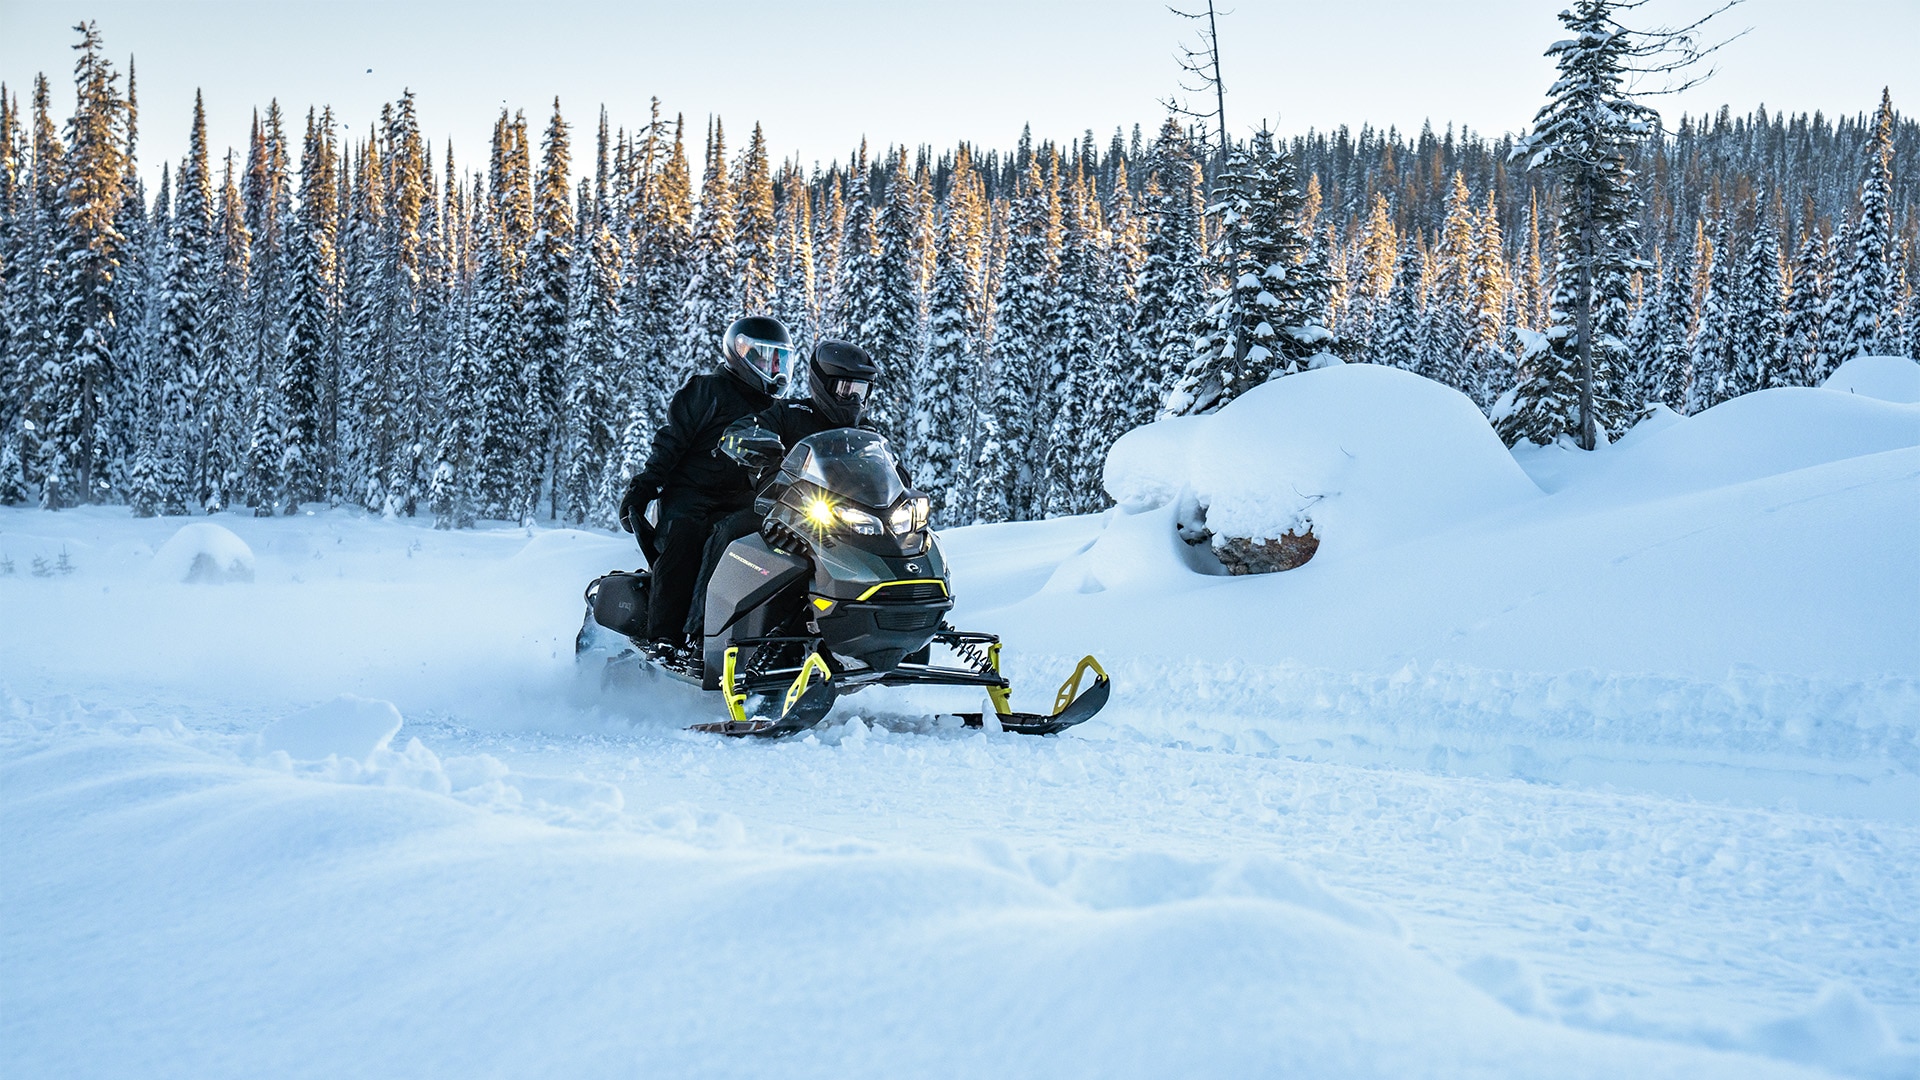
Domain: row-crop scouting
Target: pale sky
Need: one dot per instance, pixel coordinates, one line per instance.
(820, 75)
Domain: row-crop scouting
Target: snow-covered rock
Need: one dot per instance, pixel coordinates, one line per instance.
(205, 554)
(1360, 455)
(347, 727)
(1889, 378)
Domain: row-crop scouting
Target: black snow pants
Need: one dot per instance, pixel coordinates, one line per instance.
(725, 531)
(687, 518)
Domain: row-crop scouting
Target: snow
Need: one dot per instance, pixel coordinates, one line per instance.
(1889, 378)
(204, 553)
(1611, 771)
(348, 727)
(1363, 456)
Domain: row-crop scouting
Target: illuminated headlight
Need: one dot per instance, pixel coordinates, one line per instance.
(909, 516)
(820, 512)
(858, 520)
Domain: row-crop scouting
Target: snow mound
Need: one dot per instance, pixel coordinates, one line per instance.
(1762, 434)
(1889, 378)
(1362, 455)
(347, 727)
(204, 554)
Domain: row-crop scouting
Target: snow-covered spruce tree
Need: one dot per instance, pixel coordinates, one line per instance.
(754, 257)
(707, 304)
(1714, 337)
(500, 425)
(550, 255)
(1370, 273)
(942, 412)
(15, 286)
(1806, 306)
(829, 241)
(590, 414)
(1759, 354)
(71, 394)
(143, 481)
(1668, 369)
(186, 348)
(654, 273)
(1110, 400)
(312, 305)
(133, 287)
(1075, 364)
(1006, 458)
(224, 390)
(1172, 289)
(793, 283)
(267, 194)
(889, 328)
(1398, 322)
(1584, 135)
(1263, 319)
(412, 309)
(1869, 325)
(365, 357)
(1490, 367)
(1448, 318)
(452, 493)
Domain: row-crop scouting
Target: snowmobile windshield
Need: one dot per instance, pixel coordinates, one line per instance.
(849, 462)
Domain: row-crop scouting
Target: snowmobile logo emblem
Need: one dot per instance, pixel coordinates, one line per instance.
(913, 568)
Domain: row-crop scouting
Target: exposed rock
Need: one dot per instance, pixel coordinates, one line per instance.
(1242, 556)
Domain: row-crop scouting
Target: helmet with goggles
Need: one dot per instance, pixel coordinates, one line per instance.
(759, 352)
(840, 378)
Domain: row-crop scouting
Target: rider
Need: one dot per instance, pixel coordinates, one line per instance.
(697, 486)
(838, 378)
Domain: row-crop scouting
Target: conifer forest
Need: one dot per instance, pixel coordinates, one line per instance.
(358, 317)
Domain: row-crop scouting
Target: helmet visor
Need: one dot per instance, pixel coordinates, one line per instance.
(774, 359)
(855, 389)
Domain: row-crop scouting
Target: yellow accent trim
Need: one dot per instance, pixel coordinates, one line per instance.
(906, 581)
(1002, 696)
(800, 681)
(736, 699)
(1071, 688)
(822, 603)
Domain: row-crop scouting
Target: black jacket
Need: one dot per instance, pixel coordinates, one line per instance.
(683, 455)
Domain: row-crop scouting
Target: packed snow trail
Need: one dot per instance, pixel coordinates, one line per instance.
(1592, 784)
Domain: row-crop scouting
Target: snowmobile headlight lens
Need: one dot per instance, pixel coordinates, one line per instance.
(922, 509)
(820, 512)
(901, 520)
(859, 520)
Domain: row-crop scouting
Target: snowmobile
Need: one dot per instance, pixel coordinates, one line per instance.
(843, 587)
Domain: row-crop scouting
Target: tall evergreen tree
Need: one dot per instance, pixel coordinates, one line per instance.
(1759, 353)
(1271, 288)
(1007, 476)
(1870, 324)
(550, 256)
(707, 306)
(1585, 134)
(943, 401)
(590, 415)
(889, 327)
(187, 346)
(1713, 341)
(1805, 307)
(755, 260)
(313, 306)
(72, 392)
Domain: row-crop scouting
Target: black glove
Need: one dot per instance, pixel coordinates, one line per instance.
(754, 447)
(634, 507)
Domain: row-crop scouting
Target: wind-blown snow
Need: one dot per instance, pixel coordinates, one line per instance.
(1612, 773)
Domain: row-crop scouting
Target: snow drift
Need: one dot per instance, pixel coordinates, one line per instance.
(1361, 456)
(1889, 378)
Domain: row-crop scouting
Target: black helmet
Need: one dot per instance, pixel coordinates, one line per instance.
(759, 352)
(839, 377)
